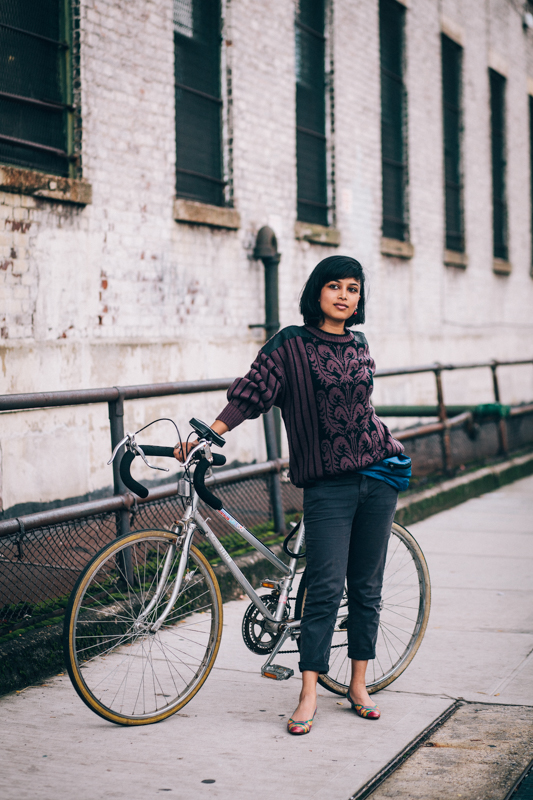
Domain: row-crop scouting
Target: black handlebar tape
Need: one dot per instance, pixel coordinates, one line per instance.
(125, 474)
(154, 450)
(201, 488)
(126, 462)
(167, 452)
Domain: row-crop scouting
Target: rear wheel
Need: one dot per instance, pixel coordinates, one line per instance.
(405, 605)
(122, 669)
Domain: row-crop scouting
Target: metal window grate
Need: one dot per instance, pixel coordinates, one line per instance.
(451, 108)
(197, 38)
(35, 103)
(499, 164)
(311, 167)
(393, 106)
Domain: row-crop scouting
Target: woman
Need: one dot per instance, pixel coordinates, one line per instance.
(321, 377)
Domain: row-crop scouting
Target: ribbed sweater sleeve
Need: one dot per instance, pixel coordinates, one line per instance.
(255, 394)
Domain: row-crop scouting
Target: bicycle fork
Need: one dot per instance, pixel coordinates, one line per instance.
(188, 527)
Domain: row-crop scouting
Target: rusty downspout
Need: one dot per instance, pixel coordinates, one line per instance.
(266, 250)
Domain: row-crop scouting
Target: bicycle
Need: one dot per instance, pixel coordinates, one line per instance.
(144, 621)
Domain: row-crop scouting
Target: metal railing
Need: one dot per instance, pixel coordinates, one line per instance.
(115, 397)
(42, 553)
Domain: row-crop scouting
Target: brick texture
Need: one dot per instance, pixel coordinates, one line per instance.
(118, 292)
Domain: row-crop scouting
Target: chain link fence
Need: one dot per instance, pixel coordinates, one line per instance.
(39, 567)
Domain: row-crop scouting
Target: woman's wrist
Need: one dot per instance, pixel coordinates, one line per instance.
(219, 427)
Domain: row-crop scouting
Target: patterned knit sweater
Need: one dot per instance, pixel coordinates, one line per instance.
(322, 382)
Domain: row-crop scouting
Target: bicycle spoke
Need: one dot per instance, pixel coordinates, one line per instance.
(128, 668)
(404, 609)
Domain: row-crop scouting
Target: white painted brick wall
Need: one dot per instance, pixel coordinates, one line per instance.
(118, 292)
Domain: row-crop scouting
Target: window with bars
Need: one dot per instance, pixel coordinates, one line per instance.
(452, 55)
(393, 112)
(499, 199)
(197, 42)
(311, 169)
(35, 85)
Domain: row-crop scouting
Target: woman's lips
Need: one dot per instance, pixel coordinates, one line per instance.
(340, 306)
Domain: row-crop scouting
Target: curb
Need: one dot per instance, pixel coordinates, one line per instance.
(37, 655)
(455, 491)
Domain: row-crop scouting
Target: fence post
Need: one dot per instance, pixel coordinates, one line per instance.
(502, 427)
(275, 483)
(447, 460)
(116, 425)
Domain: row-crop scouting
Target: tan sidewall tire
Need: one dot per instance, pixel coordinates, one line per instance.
(79, 590)
(427, 608)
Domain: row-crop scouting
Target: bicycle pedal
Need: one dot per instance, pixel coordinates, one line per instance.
(277, 672)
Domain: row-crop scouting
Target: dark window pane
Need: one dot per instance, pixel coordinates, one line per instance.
(312, 189)
(310, 81)
(33, 65)
(311, 14)
(197, 40)
(394, 168)
(391, 17)
(311, 112)
(451, 104)
(30, 67)
(393, 222)
(499, 200)
(42, 17)
(391, 118)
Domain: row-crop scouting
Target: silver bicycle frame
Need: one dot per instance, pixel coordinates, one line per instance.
(191, 520)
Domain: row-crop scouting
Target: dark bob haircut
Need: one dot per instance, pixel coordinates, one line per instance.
(331, 269)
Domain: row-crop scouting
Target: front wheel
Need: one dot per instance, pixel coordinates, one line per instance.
(405, 605)
(121, 668)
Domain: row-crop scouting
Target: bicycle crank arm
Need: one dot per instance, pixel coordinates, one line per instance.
(275, 671)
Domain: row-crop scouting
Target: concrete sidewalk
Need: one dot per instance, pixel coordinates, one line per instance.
(479, 646)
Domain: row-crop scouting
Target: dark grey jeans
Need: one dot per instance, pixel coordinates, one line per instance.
(347, 528)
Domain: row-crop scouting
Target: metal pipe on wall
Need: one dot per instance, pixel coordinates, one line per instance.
(266, 250)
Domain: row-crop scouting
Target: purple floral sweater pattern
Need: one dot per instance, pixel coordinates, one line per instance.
(323, 384)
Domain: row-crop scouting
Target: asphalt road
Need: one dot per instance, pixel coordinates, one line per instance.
(478, 646)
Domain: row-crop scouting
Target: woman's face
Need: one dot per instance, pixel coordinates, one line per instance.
(338, 299)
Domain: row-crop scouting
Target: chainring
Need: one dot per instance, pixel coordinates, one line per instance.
(256, 637)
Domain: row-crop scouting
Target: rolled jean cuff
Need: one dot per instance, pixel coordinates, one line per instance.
(320, 668)
(362, 656)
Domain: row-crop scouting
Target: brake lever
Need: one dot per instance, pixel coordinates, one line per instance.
(134, 447)
(131, 444)
(127, 438)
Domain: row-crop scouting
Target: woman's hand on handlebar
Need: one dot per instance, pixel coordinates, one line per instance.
(182, 449)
